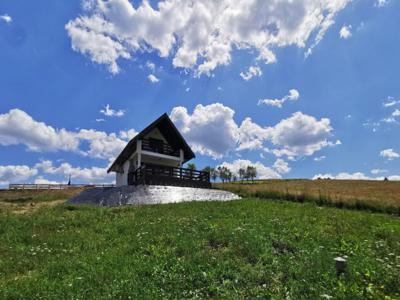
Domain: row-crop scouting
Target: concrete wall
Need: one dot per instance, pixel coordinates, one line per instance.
(122, 178)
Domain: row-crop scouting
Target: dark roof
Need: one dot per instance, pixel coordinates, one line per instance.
(170, 133)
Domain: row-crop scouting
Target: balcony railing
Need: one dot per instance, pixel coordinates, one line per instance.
(159, 147)
(162, 175)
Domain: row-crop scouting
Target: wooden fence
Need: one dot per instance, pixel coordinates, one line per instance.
(29, 186)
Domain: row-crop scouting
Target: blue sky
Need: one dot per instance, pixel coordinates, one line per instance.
(303, 90)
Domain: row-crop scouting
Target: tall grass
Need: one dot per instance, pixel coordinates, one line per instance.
(365, 195)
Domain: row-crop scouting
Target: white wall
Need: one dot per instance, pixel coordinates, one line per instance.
(122, 178)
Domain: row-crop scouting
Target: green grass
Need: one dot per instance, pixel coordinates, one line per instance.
(222, 250)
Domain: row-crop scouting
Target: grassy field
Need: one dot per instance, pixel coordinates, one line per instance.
(23, 201)
(377, 196)
(223, 250)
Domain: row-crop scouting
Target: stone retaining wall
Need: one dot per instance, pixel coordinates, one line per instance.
(149, 194)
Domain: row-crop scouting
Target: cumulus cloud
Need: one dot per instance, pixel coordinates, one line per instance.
(15, 174)
(251, 135)
(301, 135)
(390, 154)
(198, 35)
(298, 135)
(396, 113)
(381, 3)
(281, 166)
(152, 78)
(6, 18)
(151, 66)
(293, 95)
(109, 112)
(251, 72)
(86, 175)
(378, 171)
(41, 180)
(263, 172)
(344, 176)
(345, 32)
(210, 129)
(354, 176)
(19, 128)
(102, 145)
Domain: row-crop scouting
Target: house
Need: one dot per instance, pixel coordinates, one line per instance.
(155, 157)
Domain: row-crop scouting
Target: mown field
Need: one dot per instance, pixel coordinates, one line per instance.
(376, 196)
(250, 248)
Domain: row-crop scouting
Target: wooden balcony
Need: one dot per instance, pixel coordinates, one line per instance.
(161, 175)
(160, 147)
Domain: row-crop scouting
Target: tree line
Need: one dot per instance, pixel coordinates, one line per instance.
(226, 175)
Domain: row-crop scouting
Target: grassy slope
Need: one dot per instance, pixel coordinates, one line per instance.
(377, 196)
(240, 249)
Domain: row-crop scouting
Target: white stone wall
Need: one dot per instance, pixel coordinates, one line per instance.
(150, 194)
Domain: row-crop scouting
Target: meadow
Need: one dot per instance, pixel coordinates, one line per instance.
(250, 248)
(376, 196)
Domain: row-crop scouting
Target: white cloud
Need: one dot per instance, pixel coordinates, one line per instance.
(78, 174)
(389, 154)
(6, 18)
(298, 135)
(354, 176)
(102, 145)
(204, 128)
(344, 176)
(100, 120)
(378, 171)
(381, 3)
(198, 35)
(15, 174)
(396, 113)
(152, 78)
(293, 95)
(301, 135)
(345, 32)
(319, 158)
(41, 180)
(251, 135)
(109, 112)
(281, 166)
(251, 72)
(151, 66)
(263, 172)
(390, 102)
(19, 128)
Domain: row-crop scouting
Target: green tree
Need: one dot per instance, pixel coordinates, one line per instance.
(224, 174)
(191, 166)
(251, 172)
(214, 174)
(211, 171)
(242, 174)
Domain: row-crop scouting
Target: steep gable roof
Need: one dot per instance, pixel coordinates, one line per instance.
(170, 133)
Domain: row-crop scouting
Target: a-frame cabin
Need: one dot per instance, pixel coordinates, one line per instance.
(155, 156)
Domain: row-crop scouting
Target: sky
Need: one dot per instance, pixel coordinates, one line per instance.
(299, 89)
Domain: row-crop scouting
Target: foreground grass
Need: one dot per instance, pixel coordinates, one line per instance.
(240, 249)
(377, 196)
